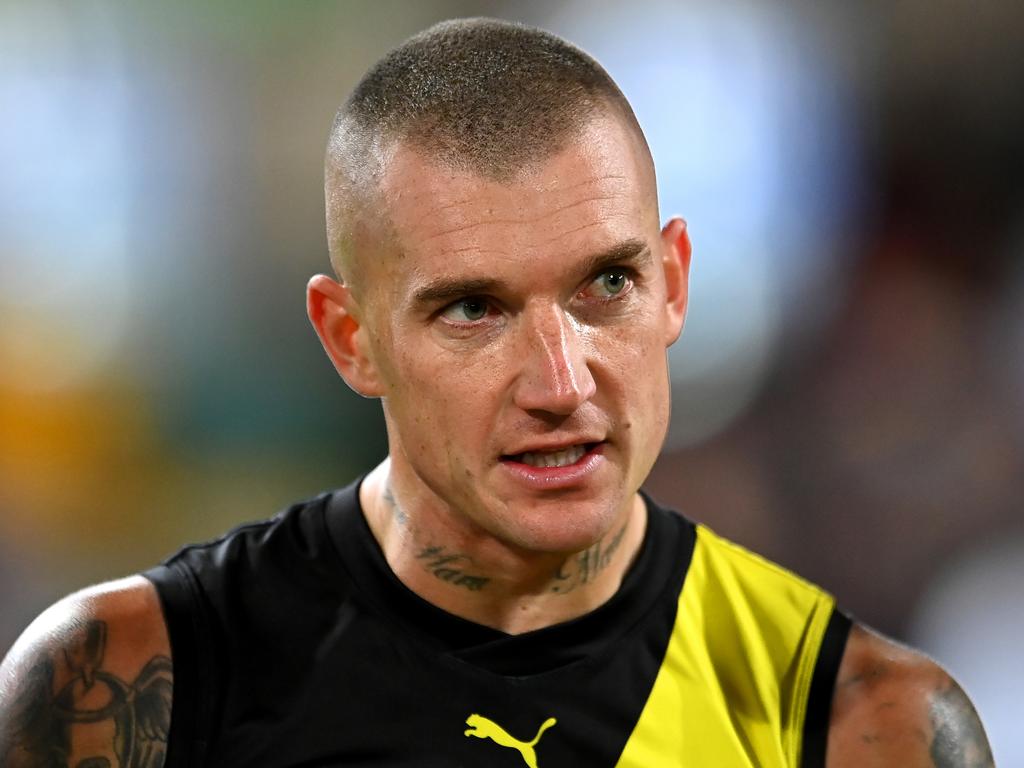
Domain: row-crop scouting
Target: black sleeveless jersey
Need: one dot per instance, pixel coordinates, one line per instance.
(294, 645)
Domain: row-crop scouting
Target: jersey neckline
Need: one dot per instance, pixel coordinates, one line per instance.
(661, 563)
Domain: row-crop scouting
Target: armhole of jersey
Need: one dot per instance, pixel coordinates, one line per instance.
(819, 699)
(185, 620)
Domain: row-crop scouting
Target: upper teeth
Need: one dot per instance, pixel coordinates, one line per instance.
(561, 458)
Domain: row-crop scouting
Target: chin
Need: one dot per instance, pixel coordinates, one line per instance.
(562, 529)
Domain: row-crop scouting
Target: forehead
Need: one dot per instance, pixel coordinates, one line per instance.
(596, 192)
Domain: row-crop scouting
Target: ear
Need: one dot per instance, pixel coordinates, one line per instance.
(335, 316)
(675, 261)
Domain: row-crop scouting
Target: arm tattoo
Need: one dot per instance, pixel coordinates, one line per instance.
(71, 713)
(959, 739)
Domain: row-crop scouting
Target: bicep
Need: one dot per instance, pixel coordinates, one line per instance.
(89, 683)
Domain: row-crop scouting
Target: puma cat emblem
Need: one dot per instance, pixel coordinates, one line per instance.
(483, 728)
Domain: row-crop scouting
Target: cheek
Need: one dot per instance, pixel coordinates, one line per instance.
(636, 367)
(634, 353)
(451, 397)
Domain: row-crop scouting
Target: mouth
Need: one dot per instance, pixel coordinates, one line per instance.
(561, 468)
(562, 457)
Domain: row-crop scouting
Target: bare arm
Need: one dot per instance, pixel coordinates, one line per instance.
(895, 707)
(89, 683)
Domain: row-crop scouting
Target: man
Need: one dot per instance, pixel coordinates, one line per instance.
(497, 592)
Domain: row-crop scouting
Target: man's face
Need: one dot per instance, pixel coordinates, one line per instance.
(519, 332)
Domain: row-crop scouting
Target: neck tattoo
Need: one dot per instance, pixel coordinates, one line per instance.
(452, 567)
(584, 567)
(458, 568)
(397, 512)
(455, 568)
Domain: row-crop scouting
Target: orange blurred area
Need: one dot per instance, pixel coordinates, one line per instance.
(58, 450)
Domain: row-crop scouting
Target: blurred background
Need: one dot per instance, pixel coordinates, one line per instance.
(848, 394)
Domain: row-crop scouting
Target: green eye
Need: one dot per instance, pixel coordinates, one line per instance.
(473, 309)
(612, 282)
(467, 310)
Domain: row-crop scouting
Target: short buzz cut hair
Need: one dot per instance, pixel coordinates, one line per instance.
(480, 95)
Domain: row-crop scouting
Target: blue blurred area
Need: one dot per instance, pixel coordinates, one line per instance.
(848, 395)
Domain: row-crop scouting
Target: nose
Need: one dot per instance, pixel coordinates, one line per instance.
(555, 376)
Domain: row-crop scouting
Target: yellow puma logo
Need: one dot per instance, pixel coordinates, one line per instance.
(483, 728)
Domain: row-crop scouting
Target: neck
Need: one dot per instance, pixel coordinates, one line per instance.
(487, 581)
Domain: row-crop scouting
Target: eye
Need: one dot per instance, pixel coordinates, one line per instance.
(468, 310)
(610, 283)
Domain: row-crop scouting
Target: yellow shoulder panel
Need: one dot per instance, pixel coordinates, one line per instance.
(732, 689)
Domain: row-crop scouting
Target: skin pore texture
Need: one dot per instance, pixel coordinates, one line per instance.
(499, 319)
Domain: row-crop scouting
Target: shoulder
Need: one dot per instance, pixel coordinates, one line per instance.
(895, 706)
(296, 536)
(742, 560)
(99, 657)
(775, 595)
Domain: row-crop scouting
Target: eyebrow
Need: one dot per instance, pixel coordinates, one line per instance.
(444, 290)
(633, 252)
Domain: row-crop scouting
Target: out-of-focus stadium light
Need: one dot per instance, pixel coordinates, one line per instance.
(745, 116)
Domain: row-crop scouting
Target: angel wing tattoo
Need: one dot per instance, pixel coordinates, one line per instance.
(94, 719)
